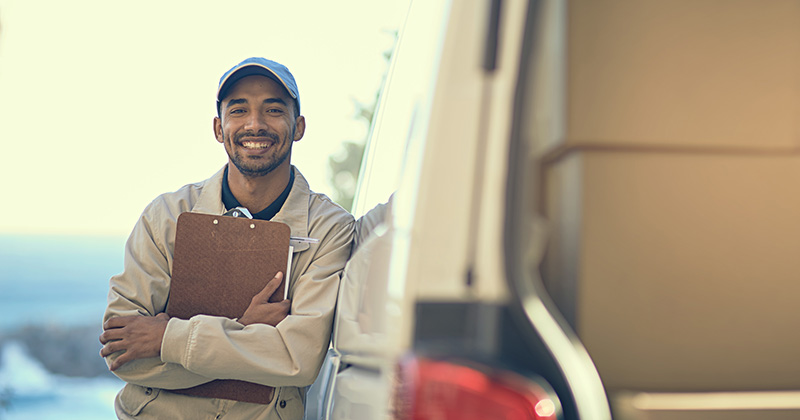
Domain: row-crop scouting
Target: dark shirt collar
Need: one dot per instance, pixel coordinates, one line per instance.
(268, 213)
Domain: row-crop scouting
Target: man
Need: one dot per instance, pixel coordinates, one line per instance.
(277, 344)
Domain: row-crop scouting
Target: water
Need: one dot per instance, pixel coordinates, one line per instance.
(29, 391)
(58, 283)
(59, 280)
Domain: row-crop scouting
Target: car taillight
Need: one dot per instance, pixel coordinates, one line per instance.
(440, 390)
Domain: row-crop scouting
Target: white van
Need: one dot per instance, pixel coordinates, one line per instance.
(619, 174)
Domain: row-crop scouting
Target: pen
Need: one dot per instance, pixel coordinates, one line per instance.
(302, 239)
(243, 212)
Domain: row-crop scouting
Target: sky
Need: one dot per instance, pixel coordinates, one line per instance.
(104, 105)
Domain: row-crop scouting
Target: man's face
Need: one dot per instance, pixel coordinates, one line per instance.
(257, 125)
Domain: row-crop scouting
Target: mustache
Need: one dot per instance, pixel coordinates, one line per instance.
(260, 133)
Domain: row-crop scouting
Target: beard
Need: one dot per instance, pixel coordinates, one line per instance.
(250, 167)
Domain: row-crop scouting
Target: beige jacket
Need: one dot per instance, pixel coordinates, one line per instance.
(203, 348)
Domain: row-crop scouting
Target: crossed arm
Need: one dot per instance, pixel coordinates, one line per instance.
(264, 346)
(140, 337)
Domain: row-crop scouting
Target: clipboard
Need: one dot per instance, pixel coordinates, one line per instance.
(219, 264)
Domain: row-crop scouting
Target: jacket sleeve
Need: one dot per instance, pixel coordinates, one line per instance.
(142, 289)
(289, 354)
(366, 224)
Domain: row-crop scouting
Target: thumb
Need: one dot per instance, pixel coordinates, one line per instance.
(270, 288)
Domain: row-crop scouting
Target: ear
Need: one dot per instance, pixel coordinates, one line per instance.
(218, 129)
(299, 128)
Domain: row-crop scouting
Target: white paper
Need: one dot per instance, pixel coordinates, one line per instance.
(288, 274)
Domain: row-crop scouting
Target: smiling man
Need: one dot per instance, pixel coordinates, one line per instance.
(275, 344)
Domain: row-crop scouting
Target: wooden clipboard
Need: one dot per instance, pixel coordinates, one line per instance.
(219, 264)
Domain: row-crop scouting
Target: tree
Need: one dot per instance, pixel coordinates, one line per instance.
(345, 165)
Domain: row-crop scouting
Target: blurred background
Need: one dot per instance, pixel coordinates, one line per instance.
(104, 106)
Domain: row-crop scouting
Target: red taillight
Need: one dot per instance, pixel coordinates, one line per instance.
(437, 390)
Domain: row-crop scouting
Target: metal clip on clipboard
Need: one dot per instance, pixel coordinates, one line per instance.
(293, 242)
(243, 212)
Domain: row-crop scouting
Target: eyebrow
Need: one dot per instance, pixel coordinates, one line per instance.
(275, 101)
(233, 102)
(238, 101)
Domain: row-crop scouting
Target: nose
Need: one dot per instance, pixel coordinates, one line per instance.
(255, 121)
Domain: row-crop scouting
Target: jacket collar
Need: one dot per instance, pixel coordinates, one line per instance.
(294, 211)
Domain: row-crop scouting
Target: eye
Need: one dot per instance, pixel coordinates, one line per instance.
(274, 111)
(237, 111)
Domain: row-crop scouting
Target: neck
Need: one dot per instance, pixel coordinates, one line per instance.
(256, 193)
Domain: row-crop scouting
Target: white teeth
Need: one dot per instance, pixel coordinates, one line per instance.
(254, 145)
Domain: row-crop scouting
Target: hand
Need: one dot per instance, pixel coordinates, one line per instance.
(262, 311)
(138, 337)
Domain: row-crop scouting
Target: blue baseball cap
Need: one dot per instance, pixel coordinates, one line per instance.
(258, 66)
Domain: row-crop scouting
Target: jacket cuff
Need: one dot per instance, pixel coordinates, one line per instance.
(177, 340)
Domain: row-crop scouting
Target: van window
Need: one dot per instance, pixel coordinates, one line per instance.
(408, 89)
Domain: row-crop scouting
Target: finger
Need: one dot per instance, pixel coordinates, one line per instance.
(111, 348)
(106, 351)
(162, 316)
(270, 288)
(118, 322)
(111, 335)
(121, 360)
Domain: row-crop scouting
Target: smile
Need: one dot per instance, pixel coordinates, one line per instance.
(255, 144)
